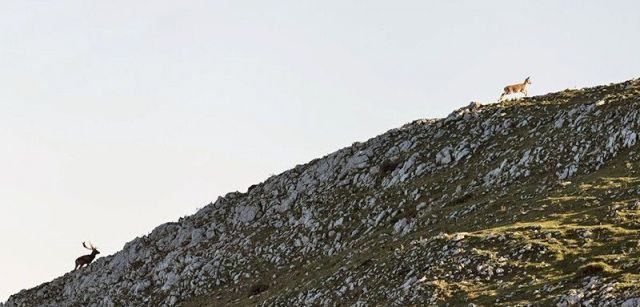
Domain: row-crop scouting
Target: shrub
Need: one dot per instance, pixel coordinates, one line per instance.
(594, 268)
(388, 166)
(257, 289)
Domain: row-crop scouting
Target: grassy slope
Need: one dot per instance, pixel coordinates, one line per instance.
(601, 203)
(543, 242)
(522, 237)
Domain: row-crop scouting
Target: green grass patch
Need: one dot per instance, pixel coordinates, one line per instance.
(595, 268)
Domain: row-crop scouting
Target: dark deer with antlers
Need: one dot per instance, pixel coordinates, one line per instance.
(86, 259)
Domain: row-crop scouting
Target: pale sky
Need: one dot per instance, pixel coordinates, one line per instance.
(117, 116)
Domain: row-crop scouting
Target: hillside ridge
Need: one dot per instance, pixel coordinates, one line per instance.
(530, 201)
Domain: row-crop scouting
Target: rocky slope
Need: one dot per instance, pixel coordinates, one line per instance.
(533, 201)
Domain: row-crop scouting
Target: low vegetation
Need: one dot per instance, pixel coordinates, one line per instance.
(532, 201)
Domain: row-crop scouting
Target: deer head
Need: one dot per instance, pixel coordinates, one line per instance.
(91, 247)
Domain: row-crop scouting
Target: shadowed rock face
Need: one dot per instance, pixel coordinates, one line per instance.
(534, 200)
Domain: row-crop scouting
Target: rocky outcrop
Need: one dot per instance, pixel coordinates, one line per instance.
(431, 212)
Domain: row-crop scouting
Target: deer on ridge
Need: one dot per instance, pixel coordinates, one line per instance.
(86, 259)
(516, 88)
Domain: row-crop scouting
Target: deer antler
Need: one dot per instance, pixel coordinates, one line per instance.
(90, 247)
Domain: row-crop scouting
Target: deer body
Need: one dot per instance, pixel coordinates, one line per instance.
(516, 88)
(86, 259)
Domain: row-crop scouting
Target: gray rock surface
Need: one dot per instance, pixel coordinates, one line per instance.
(325, 217)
